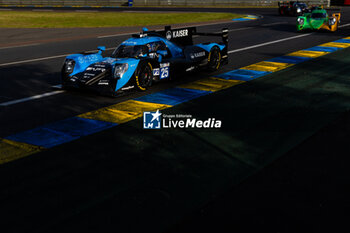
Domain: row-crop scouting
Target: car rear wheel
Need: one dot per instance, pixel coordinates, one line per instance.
(214, 59)
(144, 76)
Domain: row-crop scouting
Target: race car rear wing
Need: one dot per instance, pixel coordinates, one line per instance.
(180, 36)
(184, 36)
(282, 3)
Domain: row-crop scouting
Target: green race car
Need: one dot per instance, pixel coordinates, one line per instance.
(318, 19)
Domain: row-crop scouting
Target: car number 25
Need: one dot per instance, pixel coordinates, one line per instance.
(164, 70)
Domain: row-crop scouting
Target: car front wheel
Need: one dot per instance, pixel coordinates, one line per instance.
(144, 76)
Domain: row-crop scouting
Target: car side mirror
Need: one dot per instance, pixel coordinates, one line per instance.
(101, 49)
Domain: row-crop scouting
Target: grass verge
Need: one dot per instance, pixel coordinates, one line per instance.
(22, 19)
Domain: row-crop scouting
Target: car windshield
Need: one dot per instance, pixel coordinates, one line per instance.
(318, 15)
(124, 51)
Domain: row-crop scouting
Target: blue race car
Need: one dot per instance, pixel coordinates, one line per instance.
(144, 59)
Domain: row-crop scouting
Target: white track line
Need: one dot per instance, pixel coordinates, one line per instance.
(345, 25)
(277, 41)
(33, 60)
(271, 24)
(268, 43)
(239, 29)
(31, 98)
(116, 35)
(43, 58)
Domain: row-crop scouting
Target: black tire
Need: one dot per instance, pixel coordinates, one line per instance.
(214, 59)
(144, 76)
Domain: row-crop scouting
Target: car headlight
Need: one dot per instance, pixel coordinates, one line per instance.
(332, 21)
(69, 66)
(298, 10)
(120, 70)
(300, 21)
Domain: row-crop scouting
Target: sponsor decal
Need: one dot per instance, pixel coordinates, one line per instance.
(163, 71)
(161, 65)
(180, 33)
(100, 65)
(95, 69)
(88, 58)
(127, 88)
(109, 60)
(168, 35)
(200, 54)
(156, 72)
(190, 68)
(89, 74)
(197, 55)
(157, 120)
(129, 43)
(103, 82)
(175, 34)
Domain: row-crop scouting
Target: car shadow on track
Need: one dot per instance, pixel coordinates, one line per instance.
(19, 81)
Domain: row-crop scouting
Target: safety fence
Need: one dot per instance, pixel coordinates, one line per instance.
(219, 3)
(64, 3)
(169, 3)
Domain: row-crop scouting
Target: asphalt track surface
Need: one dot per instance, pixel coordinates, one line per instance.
(32, 69)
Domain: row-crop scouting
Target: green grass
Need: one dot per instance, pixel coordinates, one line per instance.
(23, 19)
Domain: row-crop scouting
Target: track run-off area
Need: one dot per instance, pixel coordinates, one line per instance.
(73, 157)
